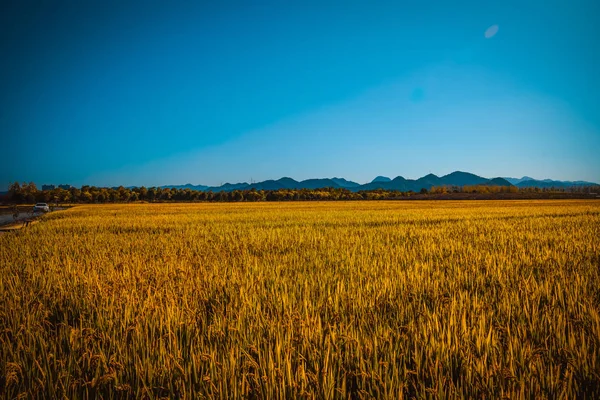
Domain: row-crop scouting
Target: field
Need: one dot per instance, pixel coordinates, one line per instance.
(480, 299)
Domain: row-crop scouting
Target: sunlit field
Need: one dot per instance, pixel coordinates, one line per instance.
(304, 300)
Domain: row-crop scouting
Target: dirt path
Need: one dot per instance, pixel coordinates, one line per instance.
(14, 226)
(6, 219)
(9, 223)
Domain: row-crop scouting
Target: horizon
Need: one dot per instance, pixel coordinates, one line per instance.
(111, 94)
(254, 181)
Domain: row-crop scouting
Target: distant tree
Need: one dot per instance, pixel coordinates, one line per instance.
(86, 197)
(47, 196)
(166, 194)
(65, 196)
(30, 192)
(75, 193)
(237, 195)
(15, 192)
(124, 194)
(113, 195)
(143, 193)
(151, 196)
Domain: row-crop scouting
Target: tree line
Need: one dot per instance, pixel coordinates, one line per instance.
(27, 193)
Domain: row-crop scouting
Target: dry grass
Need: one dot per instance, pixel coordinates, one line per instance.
(314, 300)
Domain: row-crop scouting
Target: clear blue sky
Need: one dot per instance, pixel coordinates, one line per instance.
(153, 93)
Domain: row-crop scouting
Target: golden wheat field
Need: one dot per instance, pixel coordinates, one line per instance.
(304, 300)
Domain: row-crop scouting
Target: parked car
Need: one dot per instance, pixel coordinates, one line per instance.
(41, 207)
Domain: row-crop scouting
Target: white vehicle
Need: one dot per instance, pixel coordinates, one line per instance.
(41, 207)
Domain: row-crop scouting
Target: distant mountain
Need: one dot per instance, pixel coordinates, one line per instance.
(344, 183)
(228, 187)
(459, 178)
(499, 182)
(399, 183)
(283, 183)
(317, 183)
(381, 179)
(288, 183)
(515, 181)
(429, 180)
(548, 183)
(186, 186)
(385, 183)
(527, 181)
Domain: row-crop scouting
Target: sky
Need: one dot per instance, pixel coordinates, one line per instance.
(111, 93)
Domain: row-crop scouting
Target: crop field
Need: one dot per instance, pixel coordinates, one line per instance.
(478, 299)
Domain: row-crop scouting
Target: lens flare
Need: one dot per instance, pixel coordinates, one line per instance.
(491, 31)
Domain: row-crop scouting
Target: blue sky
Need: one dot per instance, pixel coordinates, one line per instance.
(153, 93)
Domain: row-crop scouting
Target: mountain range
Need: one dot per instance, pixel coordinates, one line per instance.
(527, 181)
(457, 178)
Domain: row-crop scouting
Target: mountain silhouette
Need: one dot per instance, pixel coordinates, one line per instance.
(381, 179)
(527, 181)
(186, 186)
(429, 180)
(515, 181)
(459, 178)
(499, 182)
(344, 183)
(552, 184)
(399, 183)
